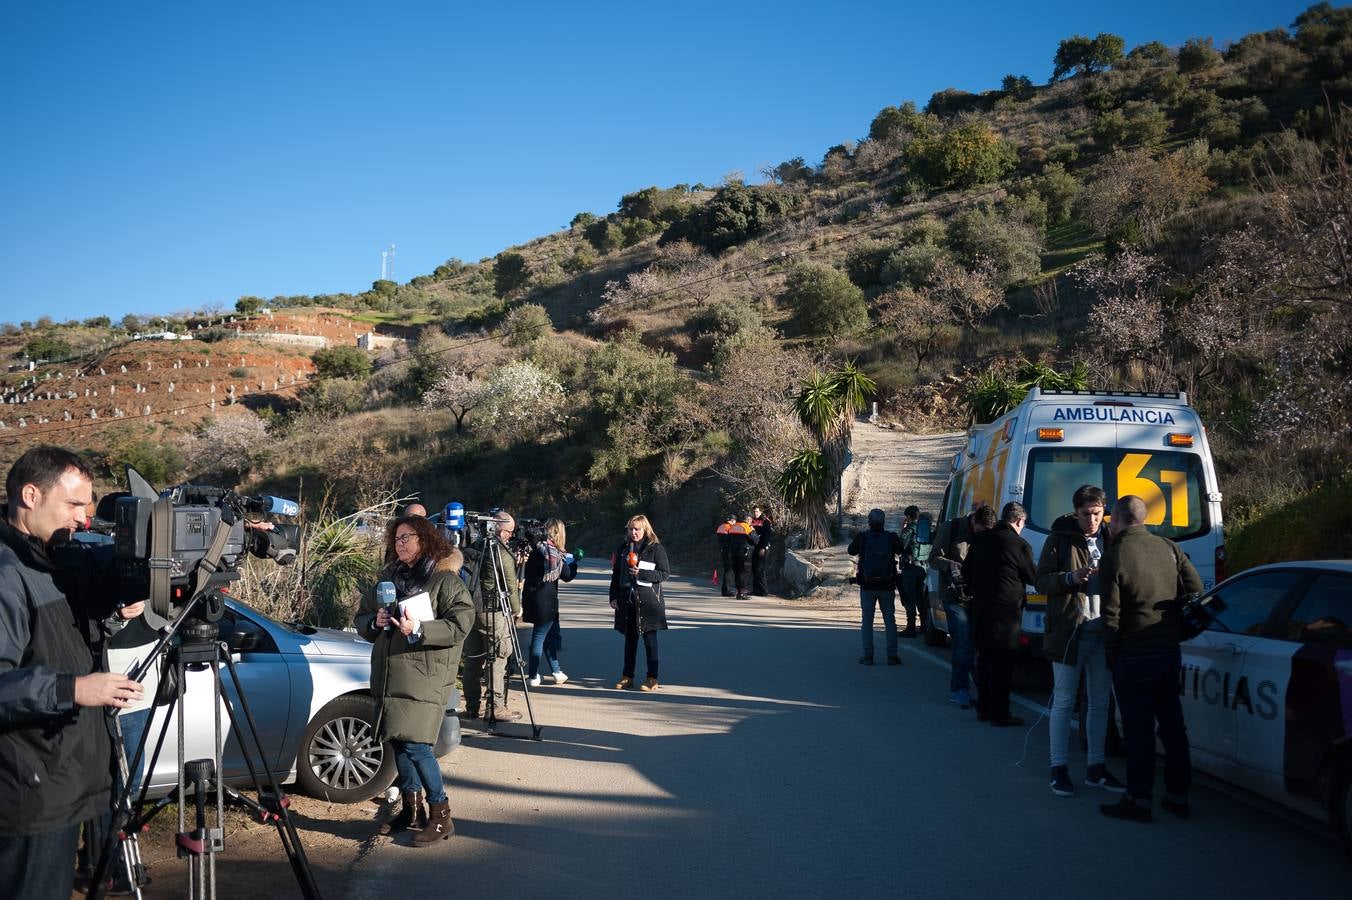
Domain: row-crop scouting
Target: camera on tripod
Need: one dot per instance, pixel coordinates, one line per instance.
(160, 540)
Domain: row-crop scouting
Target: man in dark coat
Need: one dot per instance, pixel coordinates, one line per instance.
(56, 752)
(761, 552)
(724, 533)
(999, 563)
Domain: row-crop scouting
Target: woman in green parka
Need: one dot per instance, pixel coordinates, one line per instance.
(413, 666)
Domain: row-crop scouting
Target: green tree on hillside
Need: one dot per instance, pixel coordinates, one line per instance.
(1019, 87)
(733, 215)
(510, 273)
(900, 123)
(248, 306)
(1083, 55)
(1197, 54)
(824, 301)
(46, 347)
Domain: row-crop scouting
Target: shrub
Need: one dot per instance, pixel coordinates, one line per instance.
(46, 347)
(912, 265)
(635, 230)
(341, 362)
(384, 287)
(733, 215)
(965, 156)
(951, 101)
(864, 263)
(246, 306)
(604, 235)
(1083, 55)
(510, 273)
(655, 204)
(583, 258)
(1012, 249)
(526, 324)
(1197, 54)
(901, 122)
(1020, 87)
(824, 301)
(582, 220)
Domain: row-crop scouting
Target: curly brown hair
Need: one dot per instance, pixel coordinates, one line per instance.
(431, 542)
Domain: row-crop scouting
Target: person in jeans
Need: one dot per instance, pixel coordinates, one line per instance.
(1068, 574)
(640, 566)
(946, 556)
(549, 563)
(876, 575)
(413, 667)
(1142, 574)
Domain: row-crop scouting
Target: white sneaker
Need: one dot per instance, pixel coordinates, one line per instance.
(560, 678)
(534, 681)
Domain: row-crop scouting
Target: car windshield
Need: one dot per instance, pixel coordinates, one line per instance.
(1168, 481)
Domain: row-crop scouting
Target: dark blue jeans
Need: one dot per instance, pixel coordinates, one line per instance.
(869, 598)
(39, 866)
(418, 770)
(963, 652)
(631, 651)
(1146, 682)
(544, 641)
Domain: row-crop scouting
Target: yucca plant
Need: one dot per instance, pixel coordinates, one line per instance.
(990, 396)
(806, 484)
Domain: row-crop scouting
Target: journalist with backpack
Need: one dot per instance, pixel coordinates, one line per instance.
(876, 576)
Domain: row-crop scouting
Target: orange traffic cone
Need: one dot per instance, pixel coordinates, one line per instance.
(714, 580)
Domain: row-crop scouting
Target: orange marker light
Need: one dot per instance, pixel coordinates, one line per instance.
(1051, 434)
(1179, 440)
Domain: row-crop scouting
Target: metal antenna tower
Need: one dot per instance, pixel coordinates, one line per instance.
(387, 264)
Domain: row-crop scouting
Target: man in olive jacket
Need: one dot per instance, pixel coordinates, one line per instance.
(1142, 575)
(489, 623)
(1068, 575)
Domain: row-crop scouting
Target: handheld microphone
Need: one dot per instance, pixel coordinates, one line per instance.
(385, 596)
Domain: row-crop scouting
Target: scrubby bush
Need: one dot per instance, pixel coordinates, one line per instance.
(951, 101)
(733, 215)
(583, 258)
(1197, 54)
(864, 263)
(824, 301)
(911, 265)
(582, 220)
(604, 235)
(341, 362)
(898, 123)
(526, 324)
(1082, 55)
(46, 347)
(248, 306)
(510, 273)
(965, 156)
(1012, 248)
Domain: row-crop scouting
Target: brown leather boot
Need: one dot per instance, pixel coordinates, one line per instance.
(413, 814)
(439, 825)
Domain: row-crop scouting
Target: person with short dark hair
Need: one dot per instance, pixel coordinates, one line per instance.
(999, 563)
(760, 553)
(56, 750)
(742, 539)
(1068, 575)
(876, 575)
(911, 578)
(946, 556)
(1142, 575)
(491, 627)
(724, 534)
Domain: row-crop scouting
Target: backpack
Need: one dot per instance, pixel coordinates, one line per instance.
(877, 564)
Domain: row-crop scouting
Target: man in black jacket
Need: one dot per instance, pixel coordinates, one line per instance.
(56, 757)
(999, 563)
(876, 576)
(761, 552)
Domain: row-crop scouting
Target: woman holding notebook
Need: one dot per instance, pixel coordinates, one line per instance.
(416, 616)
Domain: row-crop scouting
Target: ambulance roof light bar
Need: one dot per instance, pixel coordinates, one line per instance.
(1180, 396)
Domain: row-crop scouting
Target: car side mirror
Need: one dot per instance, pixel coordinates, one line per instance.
(244, 639)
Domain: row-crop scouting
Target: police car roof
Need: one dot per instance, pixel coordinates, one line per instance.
(1328, 565)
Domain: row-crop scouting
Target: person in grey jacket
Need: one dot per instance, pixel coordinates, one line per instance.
(56, 752)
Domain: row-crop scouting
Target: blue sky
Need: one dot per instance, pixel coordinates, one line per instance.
(165, 156)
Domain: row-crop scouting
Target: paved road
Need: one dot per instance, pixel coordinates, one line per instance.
(770, 763)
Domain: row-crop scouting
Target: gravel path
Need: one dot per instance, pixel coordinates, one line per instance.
(893, 469)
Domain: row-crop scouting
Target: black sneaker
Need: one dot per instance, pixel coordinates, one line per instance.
(1061, 784)
(1128, 809)
(1099, 776)
(866, 660)
(894, 660)
(1179, 808)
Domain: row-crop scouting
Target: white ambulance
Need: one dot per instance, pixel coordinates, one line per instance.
(1152, 445)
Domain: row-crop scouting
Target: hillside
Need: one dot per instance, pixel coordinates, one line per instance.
(1154, 217)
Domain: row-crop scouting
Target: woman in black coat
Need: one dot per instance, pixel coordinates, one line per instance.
(549, 563)
(640, 567)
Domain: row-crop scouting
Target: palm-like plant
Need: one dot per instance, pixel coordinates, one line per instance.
(806, 484)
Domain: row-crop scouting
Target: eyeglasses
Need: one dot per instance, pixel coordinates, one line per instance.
(405, 538)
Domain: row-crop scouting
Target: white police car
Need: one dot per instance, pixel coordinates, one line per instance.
(1267, 689)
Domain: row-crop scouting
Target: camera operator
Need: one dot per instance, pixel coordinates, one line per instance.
(490, 626)
(56, 754)
(946, 557)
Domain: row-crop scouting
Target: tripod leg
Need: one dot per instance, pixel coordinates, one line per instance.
(286, 829)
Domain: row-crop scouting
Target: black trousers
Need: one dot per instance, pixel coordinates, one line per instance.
(758, 573)
(1146, 684)
(631, 651)
(911, 581)
(739, 561)
(994, 678)
(727, 572)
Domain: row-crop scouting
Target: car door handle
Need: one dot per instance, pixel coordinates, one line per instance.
(1233, 649)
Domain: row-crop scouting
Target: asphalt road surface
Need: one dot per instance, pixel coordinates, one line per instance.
(771, 764)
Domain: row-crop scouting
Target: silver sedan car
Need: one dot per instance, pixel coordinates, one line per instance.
(309, 691)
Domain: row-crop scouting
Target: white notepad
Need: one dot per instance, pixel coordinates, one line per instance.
(419, 607)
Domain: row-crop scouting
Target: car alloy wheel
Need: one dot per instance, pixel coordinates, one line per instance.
(340, 757)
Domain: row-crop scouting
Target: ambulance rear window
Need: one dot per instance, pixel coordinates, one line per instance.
(1169, 482)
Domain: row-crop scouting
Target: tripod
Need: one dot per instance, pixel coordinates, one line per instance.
(199, 649)
(492, 554)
